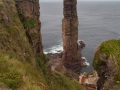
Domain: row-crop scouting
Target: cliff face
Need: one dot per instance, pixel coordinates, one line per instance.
(13, 39)
(17, 60)
(28, 11)
(106, 63)
(21, 63)
(71, 53)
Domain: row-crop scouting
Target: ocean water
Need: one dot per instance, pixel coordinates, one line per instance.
(98, 21)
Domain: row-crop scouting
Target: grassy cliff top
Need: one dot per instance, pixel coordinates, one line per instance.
(111, 49)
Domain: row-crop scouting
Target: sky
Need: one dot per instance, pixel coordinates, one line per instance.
(78, 0)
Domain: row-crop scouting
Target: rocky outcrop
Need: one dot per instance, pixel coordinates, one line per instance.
(28, 11)
(89, 80)
(71, 54)
(107, 63)
(106, 73)
(81, 44)
(55, 62)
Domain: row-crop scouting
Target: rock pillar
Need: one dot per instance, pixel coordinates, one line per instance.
(71, 53)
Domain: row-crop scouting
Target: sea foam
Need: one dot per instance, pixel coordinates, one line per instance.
(58, 49)
(86, 62)
(54, 49)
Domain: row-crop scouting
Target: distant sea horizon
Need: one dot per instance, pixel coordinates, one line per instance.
(98, 21)
(77, 1)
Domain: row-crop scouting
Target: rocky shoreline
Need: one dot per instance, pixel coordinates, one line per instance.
(56, 59)
(87, 80)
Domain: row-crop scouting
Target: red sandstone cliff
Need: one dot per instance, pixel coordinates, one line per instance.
(71, 52)
(28, 11)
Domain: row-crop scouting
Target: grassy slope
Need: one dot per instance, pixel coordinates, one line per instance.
(13, 40)
(60, 82)
(111, 48)
(18, 69)
(14, 74)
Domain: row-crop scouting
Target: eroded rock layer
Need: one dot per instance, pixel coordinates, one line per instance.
(28, 11)
(71, 53)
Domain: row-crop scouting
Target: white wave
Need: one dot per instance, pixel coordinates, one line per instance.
(80, 40)
(54, 49)
(58, 49)
(83, 58)
(86, 62)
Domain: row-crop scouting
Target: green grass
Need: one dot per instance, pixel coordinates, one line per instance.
(17, 62)
(19, 69)
(8, 74)
(13, 38)
(55, 80)
(60, 82)
(30, 23)
(16, 75)
(111, 49)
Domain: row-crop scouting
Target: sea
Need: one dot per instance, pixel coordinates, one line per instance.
(98, 21)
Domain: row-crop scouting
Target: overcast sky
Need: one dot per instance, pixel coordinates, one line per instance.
(78, 0)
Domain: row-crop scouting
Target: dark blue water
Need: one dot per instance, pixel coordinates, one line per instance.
(98, 21)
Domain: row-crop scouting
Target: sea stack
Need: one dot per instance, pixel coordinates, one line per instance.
(71, 52)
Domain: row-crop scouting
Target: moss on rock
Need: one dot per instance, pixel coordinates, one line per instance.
(110, 48)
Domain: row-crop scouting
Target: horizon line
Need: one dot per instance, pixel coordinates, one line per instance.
(87, 1)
